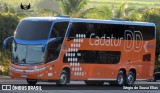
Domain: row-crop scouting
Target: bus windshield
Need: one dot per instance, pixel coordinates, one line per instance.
(25, 54)
(33, 30)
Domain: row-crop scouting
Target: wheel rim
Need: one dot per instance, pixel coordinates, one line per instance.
(154, 78)
(120, 79)
(130, 79)
(63, 79)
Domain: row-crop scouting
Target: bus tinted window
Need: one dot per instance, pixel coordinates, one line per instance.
(59, 29)
(148, 32)
(114, 31)
(95, 57)
(33, 30)
(77, 28)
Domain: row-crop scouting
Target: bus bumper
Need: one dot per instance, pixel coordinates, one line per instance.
(39, 75)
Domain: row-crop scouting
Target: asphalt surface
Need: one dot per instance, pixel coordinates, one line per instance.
(77, 87)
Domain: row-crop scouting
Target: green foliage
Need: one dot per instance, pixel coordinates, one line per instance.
(8, 23)
(132, 3)
(72, 6)
(134, 16)
(101, 12)
(5, 73)
(152, 15)
(119, 12)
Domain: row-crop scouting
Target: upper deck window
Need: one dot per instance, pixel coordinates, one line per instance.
(33, 30)
(59, 29)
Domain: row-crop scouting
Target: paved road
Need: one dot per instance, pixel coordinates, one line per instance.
(78, 87)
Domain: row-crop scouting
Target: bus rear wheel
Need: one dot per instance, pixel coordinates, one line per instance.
(154, 79)
(32, 81)
(63, 78)
(121, 78)
(130, 78)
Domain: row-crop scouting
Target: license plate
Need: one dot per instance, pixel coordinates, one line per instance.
(24, 76)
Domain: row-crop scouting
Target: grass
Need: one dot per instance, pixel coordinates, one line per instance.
(133, 3)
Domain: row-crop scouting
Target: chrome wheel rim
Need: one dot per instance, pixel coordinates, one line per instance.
(130, 79)
(120, 80)
(63, 79)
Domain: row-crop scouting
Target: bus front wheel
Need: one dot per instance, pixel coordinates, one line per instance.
(31, 81)
(63, 78)
(130, 78)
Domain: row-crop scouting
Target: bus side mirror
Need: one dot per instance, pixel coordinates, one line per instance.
(48, 41)
(5, 42)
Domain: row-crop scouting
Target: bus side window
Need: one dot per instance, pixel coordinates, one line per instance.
(90, 28)
(59, 29)
(77, 29)
(108, 57)
(89, 57)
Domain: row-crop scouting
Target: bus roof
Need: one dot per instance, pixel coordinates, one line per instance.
(46, 18)
(112, 22)
(89, 21)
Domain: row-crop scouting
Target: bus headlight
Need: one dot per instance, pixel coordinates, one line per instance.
(27, 71)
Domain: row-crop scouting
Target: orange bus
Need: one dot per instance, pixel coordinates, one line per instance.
(94, 51)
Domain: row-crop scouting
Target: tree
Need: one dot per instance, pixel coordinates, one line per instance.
(120, 11)
(74, 8)
(8, 23)
(101, 12)
(47, 8)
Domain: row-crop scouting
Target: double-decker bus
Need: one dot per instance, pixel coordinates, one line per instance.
(94, 51)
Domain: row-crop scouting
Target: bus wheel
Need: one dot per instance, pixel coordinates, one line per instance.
(121, 78)
(130, 78)
(154, 78)
(94, 83)
(31, 81)
(63, 78)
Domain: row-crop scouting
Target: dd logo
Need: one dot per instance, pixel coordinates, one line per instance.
(134, 41)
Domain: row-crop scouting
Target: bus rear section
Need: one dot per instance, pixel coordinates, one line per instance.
(118, 52)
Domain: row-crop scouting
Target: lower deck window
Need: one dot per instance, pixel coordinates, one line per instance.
(93, 57)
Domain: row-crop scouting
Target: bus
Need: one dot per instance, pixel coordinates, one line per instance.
(94, 51)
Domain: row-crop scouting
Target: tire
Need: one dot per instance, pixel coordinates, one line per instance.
(99, 83)
(130, 78)
(63, 78)
(154, 78)
(32, 81)
(121, 78)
